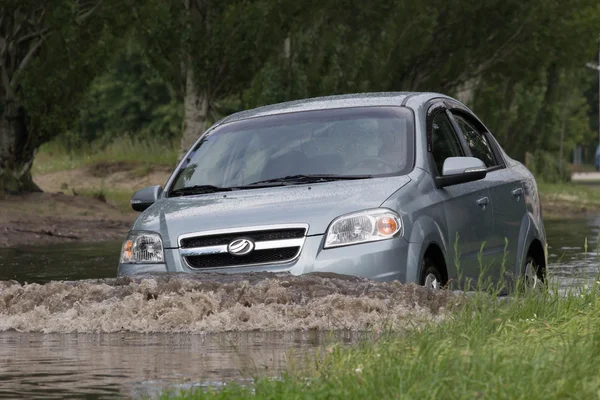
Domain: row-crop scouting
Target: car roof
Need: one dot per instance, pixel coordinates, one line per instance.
(330, 102)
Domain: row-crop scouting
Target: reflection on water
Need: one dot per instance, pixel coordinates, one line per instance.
(573, 255)
(59, 262)
(136, 365)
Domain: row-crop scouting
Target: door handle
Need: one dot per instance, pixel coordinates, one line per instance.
(483, 202)
(518, 192)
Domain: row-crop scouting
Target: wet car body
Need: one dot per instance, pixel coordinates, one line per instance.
(459, 202)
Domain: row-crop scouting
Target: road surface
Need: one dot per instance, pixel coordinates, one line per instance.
(585, 176)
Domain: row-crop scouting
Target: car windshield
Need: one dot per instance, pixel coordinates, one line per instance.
(347, 142)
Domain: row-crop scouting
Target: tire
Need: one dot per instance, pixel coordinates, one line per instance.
(431, 276)
(533, 278)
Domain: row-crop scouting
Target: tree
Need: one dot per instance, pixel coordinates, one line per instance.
(524, 98)
(49, 52)
(130, 98)
(211, 49)
(510, 60)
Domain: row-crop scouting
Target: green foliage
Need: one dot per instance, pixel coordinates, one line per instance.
(519, 65)
(226, 41)
(75, 49)
(549, 168)
(54, 156)
(130, 99)
(523, 121)
(49, 53)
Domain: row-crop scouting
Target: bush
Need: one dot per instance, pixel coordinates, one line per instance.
(547, 167)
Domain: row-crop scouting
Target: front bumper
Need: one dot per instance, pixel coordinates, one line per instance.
(385, 260)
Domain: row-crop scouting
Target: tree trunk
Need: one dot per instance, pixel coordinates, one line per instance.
(195, 104)
(16, 151)
(195, 100)
(563, 128)
(466, 90)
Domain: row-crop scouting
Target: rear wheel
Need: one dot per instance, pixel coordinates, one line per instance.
(431, 277)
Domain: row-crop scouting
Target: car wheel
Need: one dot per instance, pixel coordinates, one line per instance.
(533, 278)
(431, 276)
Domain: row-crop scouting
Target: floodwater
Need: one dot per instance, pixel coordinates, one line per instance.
(89, 335)
(573, 251)
(133, 365)
(70, 262)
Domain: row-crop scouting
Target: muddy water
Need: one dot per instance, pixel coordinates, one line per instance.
(217, 303)
(90, 335)
(59, 262)
(573, 251)
(135, 337)
(130, 365)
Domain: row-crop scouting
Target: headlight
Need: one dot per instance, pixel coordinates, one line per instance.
(364, 226)
(142, 247)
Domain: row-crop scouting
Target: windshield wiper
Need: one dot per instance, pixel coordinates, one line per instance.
(199, 189)
(286, 180)
(313, 178)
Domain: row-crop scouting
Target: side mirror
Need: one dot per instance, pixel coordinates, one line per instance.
(461, 170)
(144, 198)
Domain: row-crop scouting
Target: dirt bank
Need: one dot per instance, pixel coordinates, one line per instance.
(46, 218)
(568, 201)
(89, 203)
(220, 303)
(108, 176)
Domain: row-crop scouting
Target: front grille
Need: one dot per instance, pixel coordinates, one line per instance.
(257, 236)
(256, 257)
(273, 244)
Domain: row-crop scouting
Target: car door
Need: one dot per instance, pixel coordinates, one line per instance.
(467, 206)
(506, 191)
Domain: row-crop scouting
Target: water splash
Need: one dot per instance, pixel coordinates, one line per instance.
(218, 303)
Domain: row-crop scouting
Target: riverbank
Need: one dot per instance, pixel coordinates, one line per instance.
(569, 200)
(85, 203)
(535, 347)
(50, 218)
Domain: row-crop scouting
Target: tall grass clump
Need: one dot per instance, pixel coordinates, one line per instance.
(53, 157)
(537, 343)
(128, 149)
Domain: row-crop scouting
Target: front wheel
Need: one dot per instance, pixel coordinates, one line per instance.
(431, 277)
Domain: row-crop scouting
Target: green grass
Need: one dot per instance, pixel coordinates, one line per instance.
(52, 157)
(531, 346)
(584, 192)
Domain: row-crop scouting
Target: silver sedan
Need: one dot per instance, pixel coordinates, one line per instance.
(389, 186)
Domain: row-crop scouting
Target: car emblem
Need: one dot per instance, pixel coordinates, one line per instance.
(240, 247)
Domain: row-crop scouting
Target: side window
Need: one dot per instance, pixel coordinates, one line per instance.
(444, 142)
(477, 141)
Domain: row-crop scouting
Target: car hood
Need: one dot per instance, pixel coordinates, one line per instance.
(315, 204)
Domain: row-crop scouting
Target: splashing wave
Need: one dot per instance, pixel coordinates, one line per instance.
(218, 303)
